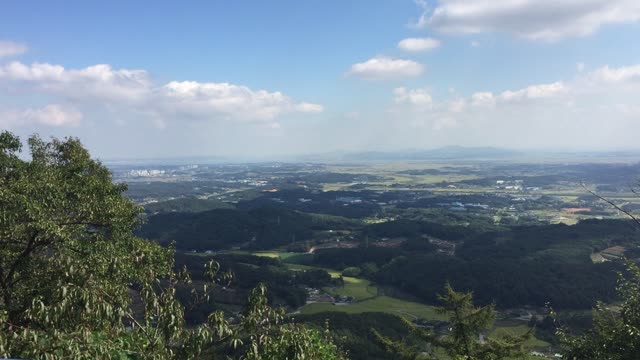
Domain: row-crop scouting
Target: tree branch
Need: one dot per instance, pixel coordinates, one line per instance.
(635, 219)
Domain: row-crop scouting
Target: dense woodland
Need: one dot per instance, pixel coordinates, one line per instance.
(511, 266)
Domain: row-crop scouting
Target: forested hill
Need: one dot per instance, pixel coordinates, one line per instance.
(259, 228)
(510, 266)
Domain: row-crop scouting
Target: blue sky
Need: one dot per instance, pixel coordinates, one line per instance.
(273, 78)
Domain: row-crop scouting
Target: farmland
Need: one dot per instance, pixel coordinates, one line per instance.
(385, 237)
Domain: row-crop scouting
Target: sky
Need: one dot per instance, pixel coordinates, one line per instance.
(277, 78)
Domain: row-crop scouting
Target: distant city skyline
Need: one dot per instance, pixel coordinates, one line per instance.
(249, 79)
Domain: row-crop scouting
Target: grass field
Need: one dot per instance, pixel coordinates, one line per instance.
(368, 300)
(333, 273)
(408, 310)
(359, 289)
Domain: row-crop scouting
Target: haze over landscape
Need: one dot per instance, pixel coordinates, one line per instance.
(237, 79)
(320, 180)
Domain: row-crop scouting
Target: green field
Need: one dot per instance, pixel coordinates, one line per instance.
(368, 300)
(359, 289)
(333, 273)
(406, 309)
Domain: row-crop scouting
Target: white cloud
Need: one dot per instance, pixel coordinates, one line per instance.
(100, 82)
(309, 108)
(54, 115)
(418, 44)
(535, 92)
(386, 68)
(457, 105)
(580, 67)
(134, 91)
(51, 115)
(416, 97)
(483, 99)
(599, 108)
(232, 101)
(607, 74)
(424, 18)
(10, 48)
(534, 19)
(475, 44)
(530, 93)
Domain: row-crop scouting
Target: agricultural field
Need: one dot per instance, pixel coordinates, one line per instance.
(514, 234)
(359, 289)
(406, 309)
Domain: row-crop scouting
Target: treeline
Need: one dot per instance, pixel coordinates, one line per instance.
(523, 265)
(330, 202)
(414, 229)
(353, 332)
(508, 283)
(187, 204)
(259, 228)
(286, 287)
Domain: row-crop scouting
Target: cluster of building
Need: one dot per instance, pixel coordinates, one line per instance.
(146, 173)
(458, 206)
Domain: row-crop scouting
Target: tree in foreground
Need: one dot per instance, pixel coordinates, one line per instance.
(466, 323)
(76, 283)
(615, 334)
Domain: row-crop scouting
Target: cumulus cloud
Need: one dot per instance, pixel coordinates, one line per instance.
(134, 90)
(543, 91)
(533, 92)
(386, 68)
(418, 44)
(534, 19)
(309, 107)
(10, 48)
(483, 99)
(596, 105)
(240, 102)
(418, 109)
(100, 82)
(51, 115)
(417, 97)
(607, 74)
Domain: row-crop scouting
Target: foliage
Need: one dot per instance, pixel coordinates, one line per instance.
(353, 332)
(467, 324)
(297, 342)
(258, 228)
(340, 258)
(286, 287)
(615, 334)
(76, 283)
(71, 268)
(352, 271)
(508, 282)
(188, 204)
